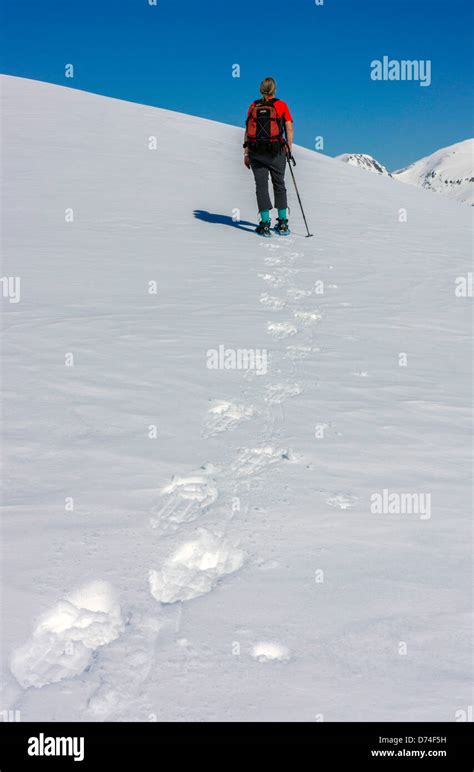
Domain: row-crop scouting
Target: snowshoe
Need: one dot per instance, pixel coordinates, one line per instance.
(263, 229)
(282, 227)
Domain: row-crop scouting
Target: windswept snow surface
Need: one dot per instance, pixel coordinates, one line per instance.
(241, 494)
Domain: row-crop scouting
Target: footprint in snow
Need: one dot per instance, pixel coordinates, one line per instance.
(307, 317)
(123, 668)
(270, 651)
(296, 294)
(281, 329)
(282, 257)
(184, 500)
(270, 245)
(225, 416)
(342, 501)
(281, 391)
(272, 302)
(270, 278)
(272, 260)
(251, 461)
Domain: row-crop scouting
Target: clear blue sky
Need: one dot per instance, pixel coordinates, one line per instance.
(179, 54)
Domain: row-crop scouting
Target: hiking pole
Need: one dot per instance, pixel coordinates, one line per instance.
(290, 160)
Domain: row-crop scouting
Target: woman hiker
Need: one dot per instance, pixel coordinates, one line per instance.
(268, 134)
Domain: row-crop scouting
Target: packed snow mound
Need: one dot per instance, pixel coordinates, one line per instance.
(449, 171)
(65, 638)
(269, 651)
(195, 568)
(364, 161)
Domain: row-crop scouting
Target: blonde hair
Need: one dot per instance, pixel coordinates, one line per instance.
(268, 87)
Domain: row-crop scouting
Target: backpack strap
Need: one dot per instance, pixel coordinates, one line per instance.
(256, 103)
(280, 121)
(265, 101)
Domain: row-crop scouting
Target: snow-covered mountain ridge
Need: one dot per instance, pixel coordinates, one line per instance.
(449, 171)
(364, 161)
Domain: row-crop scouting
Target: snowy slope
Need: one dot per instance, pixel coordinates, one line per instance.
(188, 543)
(363, 161)
(449, 171)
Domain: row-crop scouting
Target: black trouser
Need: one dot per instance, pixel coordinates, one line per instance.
(262, 164)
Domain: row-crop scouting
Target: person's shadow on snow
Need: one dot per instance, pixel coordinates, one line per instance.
(223, 219)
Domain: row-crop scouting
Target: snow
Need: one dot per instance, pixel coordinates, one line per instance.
(225, 416)
(227, 507)
(281, 329)
(195, 568)
(449, 171)
(266, 651)
(64, 639)
(185, 498)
